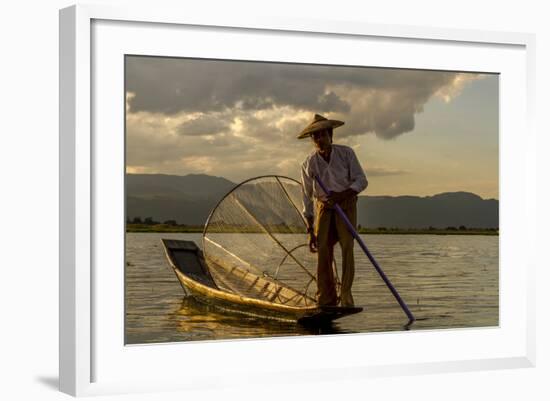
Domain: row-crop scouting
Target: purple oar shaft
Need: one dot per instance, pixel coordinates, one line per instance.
(369, 255)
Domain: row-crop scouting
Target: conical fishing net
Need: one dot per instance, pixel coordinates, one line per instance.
(255, 243)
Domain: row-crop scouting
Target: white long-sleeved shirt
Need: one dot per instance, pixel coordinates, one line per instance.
(343, 171)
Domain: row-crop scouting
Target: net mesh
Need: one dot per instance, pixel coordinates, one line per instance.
(255, 243)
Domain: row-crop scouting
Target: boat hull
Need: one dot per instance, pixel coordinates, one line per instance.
(194, 277)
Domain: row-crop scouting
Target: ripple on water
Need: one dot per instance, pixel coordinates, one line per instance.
(447, 281)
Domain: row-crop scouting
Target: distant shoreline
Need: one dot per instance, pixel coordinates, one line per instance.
(166, 228)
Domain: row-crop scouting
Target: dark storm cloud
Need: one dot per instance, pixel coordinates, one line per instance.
(380, 101)
(173, 85)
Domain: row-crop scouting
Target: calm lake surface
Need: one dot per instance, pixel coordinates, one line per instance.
(448, 281)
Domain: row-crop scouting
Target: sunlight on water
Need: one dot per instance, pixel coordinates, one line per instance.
(448, 281)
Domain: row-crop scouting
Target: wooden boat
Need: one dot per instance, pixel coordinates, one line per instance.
(189, 265)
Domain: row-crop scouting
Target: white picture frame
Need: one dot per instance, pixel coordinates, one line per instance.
(94, 361)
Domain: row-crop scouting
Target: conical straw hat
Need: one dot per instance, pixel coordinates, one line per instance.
(319, 123)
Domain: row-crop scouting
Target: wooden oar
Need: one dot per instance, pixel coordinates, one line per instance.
(369, 255)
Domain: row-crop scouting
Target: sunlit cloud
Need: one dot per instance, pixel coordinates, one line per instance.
(370, 100)
(456, 86)
(237, 120)
(376, 171)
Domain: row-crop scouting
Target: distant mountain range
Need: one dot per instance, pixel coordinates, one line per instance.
(189, 200)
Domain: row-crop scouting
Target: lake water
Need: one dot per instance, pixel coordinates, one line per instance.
(448, 281)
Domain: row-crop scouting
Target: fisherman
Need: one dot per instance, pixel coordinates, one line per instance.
(338, 168)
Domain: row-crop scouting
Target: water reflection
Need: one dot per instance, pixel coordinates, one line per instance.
(214, 321)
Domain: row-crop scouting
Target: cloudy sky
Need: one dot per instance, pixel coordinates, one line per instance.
(414, 132)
